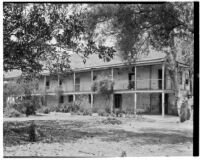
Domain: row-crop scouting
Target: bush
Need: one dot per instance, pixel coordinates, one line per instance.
(102, 112)
(95, 109)
(111, 121)
(11, 112)
(107, 109)
(87, 111)
(184, 112)
(44, 109)
(28, 106)
(73, 107)
(103, 86)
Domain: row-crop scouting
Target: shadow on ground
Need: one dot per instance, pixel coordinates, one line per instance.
(16, 133)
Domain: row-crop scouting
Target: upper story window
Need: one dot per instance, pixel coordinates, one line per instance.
(47, 84)
(77, 84)
(60, 82)
(94, 78)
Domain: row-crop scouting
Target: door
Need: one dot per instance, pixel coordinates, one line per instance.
(118, 101)
(160, 79)
(160, 103)
(131, 78)
(166, 103)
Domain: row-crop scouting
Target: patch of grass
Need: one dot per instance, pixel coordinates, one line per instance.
(112, 121)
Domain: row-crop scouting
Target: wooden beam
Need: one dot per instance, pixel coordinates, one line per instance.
(150, 76)
(163, 104)
(135, 78)
(74, 97)
(45, 91)
(112, 74)
(135, 104)
(91, 100)
(92, 75)
(163, 76)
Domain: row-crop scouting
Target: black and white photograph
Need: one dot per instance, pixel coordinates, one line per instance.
(98, 79)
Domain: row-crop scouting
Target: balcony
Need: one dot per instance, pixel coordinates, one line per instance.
(143, 84)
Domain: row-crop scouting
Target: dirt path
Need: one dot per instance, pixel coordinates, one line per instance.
(86, 136)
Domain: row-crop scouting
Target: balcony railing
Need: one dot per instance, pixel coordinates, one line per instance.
(143, 84)
(140, 84)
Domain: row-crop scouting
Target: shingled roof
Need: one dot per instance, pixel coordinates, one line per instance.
(94, 61)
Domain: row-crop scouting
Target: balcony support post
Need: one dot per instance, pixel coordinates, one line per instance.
(45, 91)
(135, 104)
(135, 78)
(163, 104)
(112, 95)
(150, 76)
(91, 91)
(74, 97)
(163, 76)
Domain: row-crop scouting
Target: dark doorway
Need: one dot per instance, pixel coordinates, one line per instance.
(166, 103)
(160, 103)
(160, 79)
(118, 101)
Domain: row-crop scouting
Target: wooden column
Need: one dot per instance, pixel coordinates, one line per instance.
(163, 104)
(112, 74)
(135, 78)
(74, 97)
(45, 92)
(135, 103)
(150, 76)
(163, 76)
(92, 91)
(163, 87)
(112, 95)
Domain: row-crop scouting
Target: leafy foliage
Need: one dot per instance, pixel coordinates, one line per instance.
(42, 36)
(104, 85)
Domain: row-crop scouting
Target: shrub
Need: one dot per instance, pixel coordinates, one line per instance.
(102, 112)
(11, 112)
(44, 109)
(95, 109)
(73, 107)
(184, 112)
(87, 111)
(111, 121)
(104, 86)
(107, 109)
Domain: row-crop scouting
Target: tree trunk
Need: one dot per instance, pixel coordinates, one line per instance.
(175, 85)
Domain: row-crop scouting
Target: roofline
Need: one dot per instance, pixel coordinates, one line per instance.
(139, 63)
(122, 64)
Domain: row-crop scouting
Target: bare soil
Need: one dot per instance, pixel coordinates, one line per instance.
(63, 135)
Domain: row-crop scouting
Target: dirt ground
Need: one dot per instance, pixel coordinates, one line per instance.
(63, 135)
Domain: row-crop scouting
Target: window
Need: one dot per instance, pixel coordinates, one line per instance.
(47, 84)
(60, 82)
(61, 99)
(70, 98)
(89, 98)
(94, 78)
(131, 78)
(77, 84)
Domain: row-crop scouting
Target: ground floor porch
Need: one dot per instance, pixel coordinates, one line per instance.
(155, 103)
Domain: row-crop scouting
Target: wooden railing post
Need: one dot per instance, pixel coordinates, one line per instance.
(135, 78)
(45, 92)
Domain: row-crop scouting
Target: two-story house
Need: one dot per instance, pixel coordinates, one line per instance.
(142, 86)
